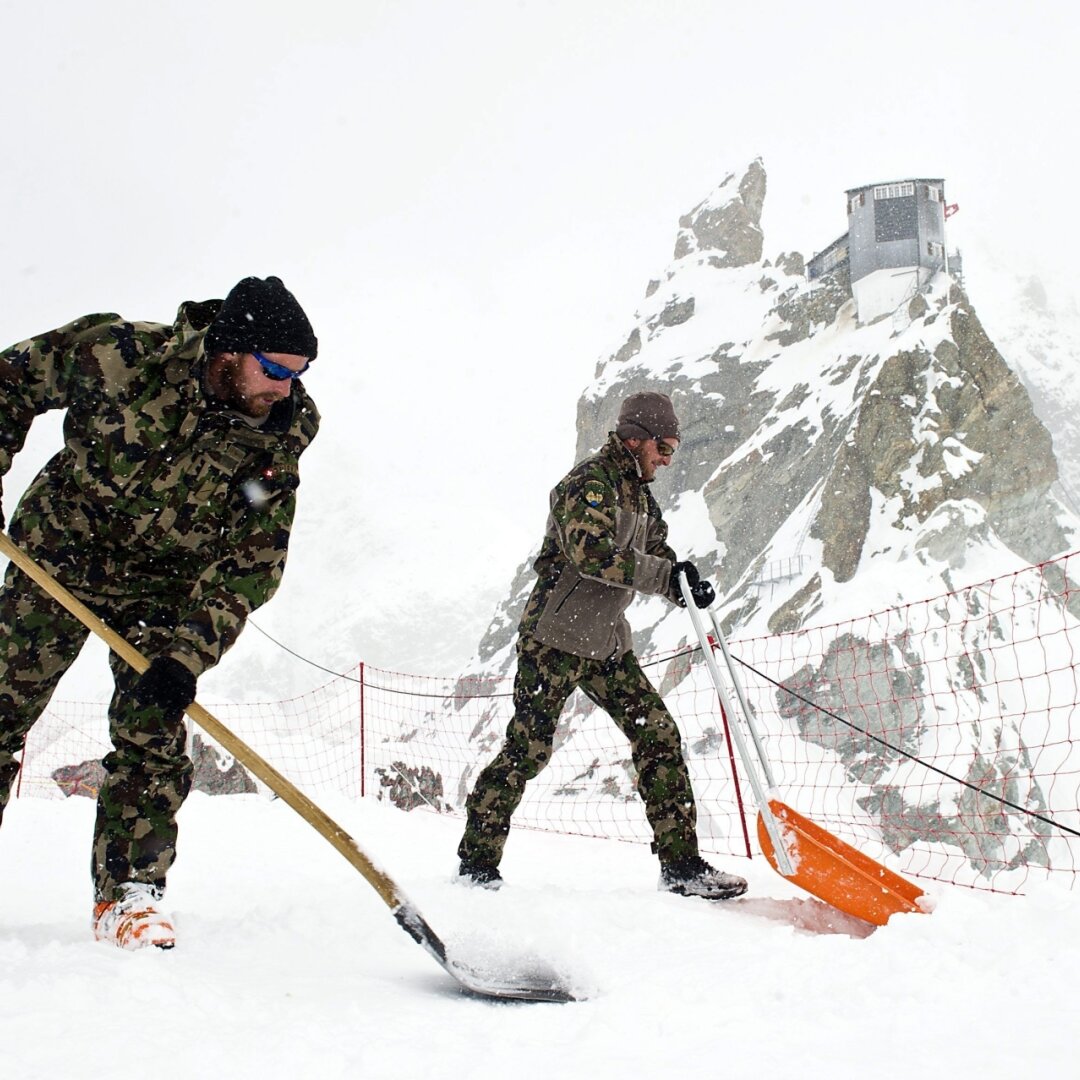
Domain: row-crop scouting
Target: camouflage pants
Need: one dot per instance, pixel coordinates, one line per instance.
(545, 679)
(147, 773)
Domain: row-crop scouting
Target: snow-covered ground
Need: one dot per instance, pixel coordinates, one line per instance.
(288, 964)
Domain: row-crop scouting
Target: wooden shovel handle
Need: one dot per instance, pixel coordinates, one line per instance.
(213, 727)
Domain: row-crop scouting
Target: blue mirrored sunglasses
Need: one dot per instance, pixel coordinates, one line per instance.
(277, 372)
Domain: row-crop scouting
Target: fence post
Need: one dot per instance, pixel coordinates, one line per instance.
(363, 734)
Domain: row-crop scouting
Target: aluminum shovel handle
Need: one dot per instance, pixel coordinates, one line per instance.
(760, 797)
(748, 716)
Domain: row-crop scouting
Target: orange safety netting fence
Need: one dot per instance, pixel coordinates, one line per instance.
(935, 737)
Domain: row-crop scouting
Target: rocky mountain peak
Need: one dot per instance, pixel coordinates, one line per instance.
(727, 225)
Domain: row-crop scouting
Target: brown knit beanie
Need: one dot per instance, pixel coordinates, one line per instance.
(647, 416)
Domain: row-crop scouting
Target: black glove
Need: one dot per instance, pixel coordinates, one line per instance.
(703, 594)
(165, 683)
(701, 591)
(692, 578)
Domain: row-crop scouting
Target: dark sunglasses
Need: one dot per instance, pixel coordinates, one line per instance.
(277, 372)
(664, 449)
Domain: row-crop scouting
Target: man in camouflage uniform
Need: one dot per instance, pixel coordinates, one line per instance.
(168, 514)
(606, 541)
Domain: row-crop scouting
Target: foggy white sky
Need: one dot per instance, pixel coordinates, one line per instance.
(469, 198)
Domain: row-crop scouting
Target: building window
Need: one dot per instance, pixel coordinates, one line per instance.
(933, 193)
(894, 191)
(831, 259)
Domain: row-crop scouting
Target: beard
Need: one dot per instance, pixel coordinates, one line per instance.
(256, 406)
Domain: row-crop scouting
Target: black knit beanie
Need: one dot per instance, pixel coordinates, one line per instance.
(647, 416)
(261, 314)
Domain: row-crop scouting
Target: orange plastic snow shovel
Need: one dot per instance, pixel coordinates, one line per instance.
(797, 848)
(835, 872)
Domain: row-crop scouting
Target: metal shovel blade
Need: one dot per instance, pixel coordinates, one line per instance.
(536, 985)
(835, 872)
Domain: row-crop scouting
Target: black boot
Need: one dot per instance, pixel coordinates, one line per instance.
(693, 876)
(485, 875)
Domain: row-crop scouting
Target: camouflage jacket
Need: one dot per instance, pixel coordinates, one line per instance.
(159, 492)
(605, 541)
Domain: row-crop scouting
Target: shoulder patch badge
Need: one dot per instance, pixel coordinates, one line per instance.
(594, 493)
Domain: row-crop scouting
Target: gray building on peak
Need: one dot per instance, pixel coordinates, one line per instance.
(894, 245)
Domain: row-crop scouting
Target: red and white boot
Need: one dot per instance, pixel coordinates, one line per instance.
(134, 921)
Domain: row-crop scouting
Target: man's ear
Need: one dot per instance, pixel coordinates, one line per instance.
(214, 368)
